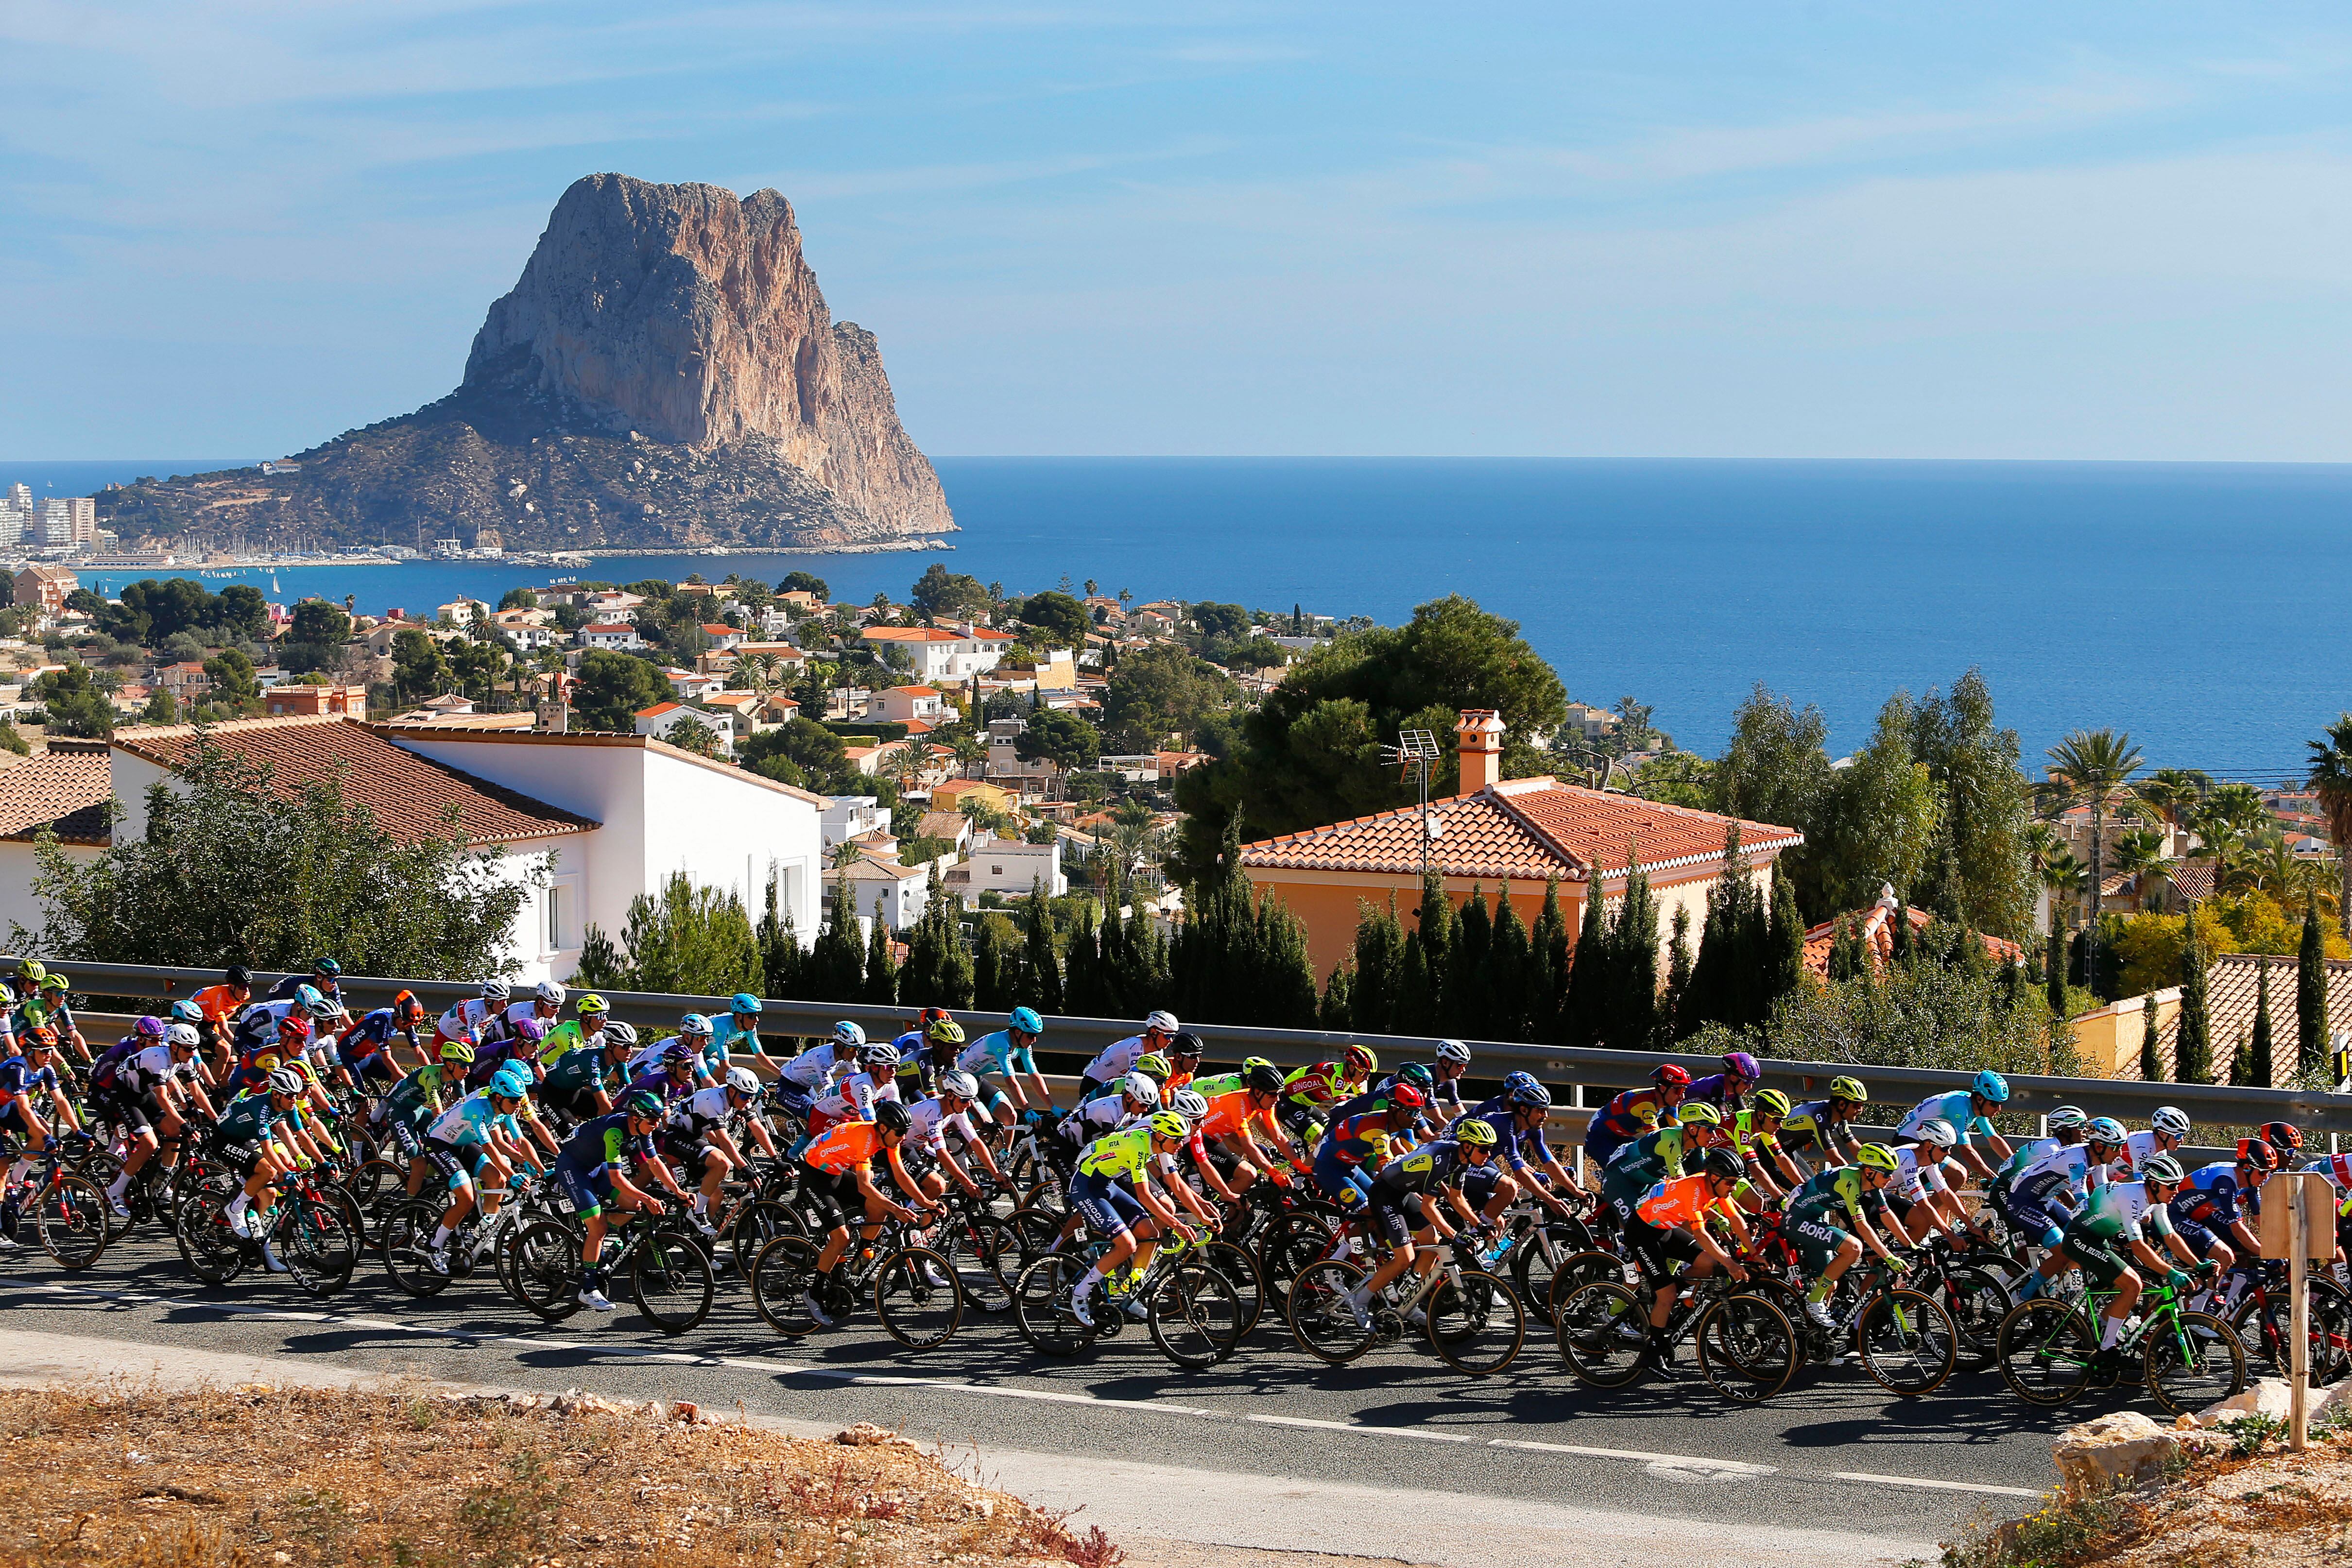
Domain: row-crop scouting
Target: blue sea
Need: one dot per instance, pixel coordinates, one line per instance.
(2194, 605)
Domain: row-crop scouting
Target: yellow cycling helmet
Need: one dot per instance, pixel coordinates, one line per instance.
(592, 1003)
(1472, 1132)
(1772, 1102)
(947, 1032)
(1876, 1157)
(1699, 1116)
(1849, 1089)
(1152, 1064)
(456, 1050)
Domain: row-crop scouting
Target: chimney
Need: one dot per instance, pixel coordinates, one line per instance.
(1480, 735)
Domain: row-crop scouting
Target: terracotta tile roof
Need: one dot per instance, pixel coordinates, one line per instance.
(65, 790)
(410, 795)
(2194, 880)
(1877, 932)
(1528, 829)
(657, 708)
(909, 635)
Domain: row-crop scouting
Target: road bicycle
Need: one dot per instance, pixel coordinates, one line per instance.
(914, 1289)
(1903, 1337)
(986, 1251)
(662, 1256)
(2263, 1323)
(1474, 1320)
(1972, 1296)
(309, 1228)
(1193, 1311)
(2049, 1351)
(67, 1211)
(1746, 1348)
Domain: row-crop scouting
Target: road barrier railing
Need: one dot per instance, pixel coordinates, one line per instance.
(1580, 1071)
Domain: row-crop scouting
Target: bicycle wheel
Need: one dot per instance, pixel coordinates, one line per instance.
(780, 1278)
(1578, 1269)
(1477, 1324)
(2198, 1362)
(1292, 1243)
(2046, 1349)
(374, 1179)
(758, 1224)
(1746, 1348)
(1536, 1261)
(1041, 1305)
(1036, 1228)
(70, 1216)
(670, 1277)
(207, 1245)
(407, 1236)
(1320, 1319)
(1196, 1315)
(546, 1269)
(318, 1246)
(1241, 1271)
(987, 1257)
(1603, 1333)
(2331, 1331)
(916, 1298)
(1976, 1300)
(1906, 1343)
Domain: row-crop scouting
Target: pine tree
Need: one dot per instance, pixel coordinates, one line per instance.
(881, 962)
(1631, 1018)
(1547, 967)
(2257, 1073)
(1040, 985)
(1466, 1003)
(1373, 990)
(2192, 1049)
(1504, 980)
(2151, 1060)
(1678, 974)
(2310, 994)
(1585, 1008)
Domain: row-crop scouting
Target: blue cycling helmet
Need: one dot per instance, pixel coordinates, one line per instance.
(188, 1012)
(311, 999)
(697, 1025)
(2105, 1129)
(1517, 1084)
(510, 1082)
(1529, 1094)
(1026, 1020)
(1990, 1085)
(744, 1002)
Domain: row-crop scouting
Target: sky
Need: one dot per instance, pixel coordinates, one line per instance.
(1799, 230)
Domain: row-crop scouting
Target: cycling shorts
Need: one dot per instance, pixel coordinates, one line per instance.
(127, 1109)
(404, 1136)
(580, 1104)
(1664, 1253)
(1600, 1144)
(1107, 1204)
(1344, 1184)
(796, 1098)
(831, 1195)
(2029, 1213)
(451, 1162)
(1393, 1217)
(2102, 1264)
(590, 1192)
(1296, 1118)
(2200, 1238)
(240, 1157)
(1817, 1241)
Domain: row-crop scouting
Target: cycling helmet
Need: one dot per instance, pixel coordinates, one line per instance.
(328, 967)
(2282, 1135)
(1531, 1095)
(944, 1031)
(2163, 1168)
(1141, 1089)
(1152, 1062)
(1722, 1164)
(1514, 1082)
(188, 1012)
(1359, 1059)
(591, 1003)
(1252, 1063)
(285, 1081)
(529, 1029)
(619, 1033)
(1452, 1050)
(847, 1033)
(1849, 1089)
(1406, 1097)
(1472, 1132)
(407, 1008)
(457, 1051)
(743, 1002)
(1164, 1020)
(31, 969)
(961, 1084)
(1740, 1064)
(1188, 1105)
(292, 1028)
(1669, 1076)
(549, 992)
(495, 992)
(56, 982)
(744, 1081)
(1185, 1044)
(1266, 1078)
(695, 1024)
(645, 1103)
(892, 1118)
(1169, 1124)
(181, 1034)
(311, 999)
(510, 1082)
(2066, 1118)
(1990, 1085)
(1414, 1073)
(2257, 1154)
(1773, 1103)
(1026, 1020)
(2171, 1121)
(1701, 1115)
(150, 1026)
(879, 1054)
(1935, 1130)
(2105, 1129)
(1877, 1157)
(236, 974)
(677, 1053)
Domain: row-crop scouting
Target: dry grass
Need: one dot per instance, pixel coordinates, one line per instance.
(400, 1478)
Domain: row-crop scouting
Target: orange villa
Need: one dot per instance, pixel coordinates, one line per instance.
(1500, 835)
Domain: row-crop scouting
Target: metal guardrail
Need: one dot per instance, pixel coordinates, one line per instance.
(2206, 1103)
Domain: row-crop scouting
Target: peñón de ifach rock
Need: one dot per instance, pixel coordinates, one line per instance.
(665, 375)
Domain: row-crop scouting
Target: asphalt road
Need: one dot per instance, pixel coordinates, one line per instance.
(1832, 1452)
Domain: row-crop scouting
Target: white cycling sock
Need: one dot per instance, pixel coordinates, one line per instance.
(2110, 1330)
(118, 1185)
(239, 1204)
(1087, 1282)
(440, 1237)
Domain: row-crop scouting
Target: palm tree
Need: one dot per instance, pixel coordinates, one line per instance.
(2062, 872)
(2172, 791)
(2092, 767)
(2140, 854)
(2330, 779)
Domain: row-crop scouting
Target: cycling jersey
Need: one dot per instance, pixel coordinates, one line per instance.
(1954, 1108)
(2058, 1167)
(1218, 1084)
(1810, 1125)
(1714, 1089)
(1324, 1083)
(218, 1004)
(1685, 1201)
(703, 1111)
(1750, 1140)
(929, 1124)
(370, 1035)
(855, 1097)
(465, 1021)
(1122, 1156)
(250, 1118)
(152, 1068)
(2121, 1212)
(814, 1068)
(417, 1093)
(995, 1055)
(2139, 1149)
(1094, 1117)
(1231, 1112)
(850, 1146)
(284, 990)
(1630, 1114)
(1915, 1178)
(1360, 1131)
(728, 1037)
(1116, 1062)
(1515, 1150)
(257, 1029)
(603, 1144)
(1648, 1159)
(2212, 1197)
(1835, 1191)
(470, 1121)
(1425, 1168)
(582, 1069)
(20, 1079)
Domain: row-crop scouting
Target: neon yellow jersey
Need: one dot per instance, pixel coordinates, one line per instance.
(1747, 1137)
(1122, 1154)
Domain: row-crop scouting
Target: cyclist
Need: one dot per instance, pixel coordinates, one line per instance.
(150, 1095)
(582, 1082)
(1446, 1069)
(1819, 1214)
(1629, 1115)
(738, 1032)
(693, 1033)
(1923, 1187)
(2045, 1190)
(364, 1051)
(247, 1141)
(670, 1075)
(1670, 1229)
(480, 1133)
(928, 1123)
(593, 1166)
(2129, 1212)
(2216, 1201)
(1969, 1110)
(1183, 1059)
(1138, 1097)
(856, 1096)
(1001, 1061)
(1756, 1140)
(1360, 1133)
(2283, 1136)
(1826, 1125)
(702, 1136)
(594, 1012)
(1103, 1073)
(220, 1005)
(50, 1011)
(1728, 1090)
(23, 1076)
(837, 1171)
(326, 978)
(1235, 1119)
(1218, 1084)
(1310, 1093)
(800, 1081)
(2166, 1129)
(1115, 1193)
(937, 1052)
(1661, 1156)
(1402, 1214)
(1518, 1115)
(414, 1104)
(469, 1019)
(519, 1046)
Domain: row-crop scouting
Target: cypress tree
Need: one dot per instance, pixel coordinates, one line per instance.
(939, 969)
(836, 967)
(1435, 923)
(1144, 975)
(1373, 992)
(881, 962)
(1678, 974)
(1900, 945)
(1040, 985)
(995, 966)
(1218, 964)
(1110, 985)
(1632, 1016)
(1509, 963)
(2054, 967)
(1285, 976)
(2257, 1065)
(1725, 984)
(2151, 1060)
(1585, 1008)
(2310, 994)
(1784, 944)
(1416, 1009)
(1465, 998)
(780, 949)
(1547, 966)
(2192, 1051)
(1337, 1012)
(1082, 972)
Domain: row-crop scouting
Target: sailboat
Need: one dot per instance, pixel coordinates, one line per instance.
(273, 583)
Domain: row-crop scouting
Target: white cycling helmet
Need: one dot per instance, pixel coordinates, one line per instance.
(1188, 1105)
(959, 1083)
(847, 1033)
(181, 1034)
(1164, 1020)
(547, 991)
(2171, 1120)
(1139, 1086)
(743, 1080)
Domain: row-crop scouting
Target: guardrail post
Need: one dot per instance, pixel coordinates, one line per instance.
(1576, 1098)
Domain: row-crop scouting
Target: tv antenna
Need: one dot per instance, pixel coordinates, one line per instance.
(1415, 751)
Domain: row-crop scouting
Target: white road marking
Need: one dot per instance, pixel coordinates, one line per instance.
(1677, 1461)
(1932, 1485)
(1357, 1429)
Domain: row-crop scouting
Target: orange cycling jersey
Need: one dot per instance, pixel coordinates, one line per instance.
(852, 1146)
(1684, 1201)
(1230, 1112)
(217, 1003)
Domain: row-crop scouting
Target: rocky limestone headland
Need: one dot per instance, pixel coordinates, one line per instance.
(665, 375)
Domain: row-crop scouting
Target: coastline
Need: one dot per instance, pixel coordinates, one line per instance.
(532, 558)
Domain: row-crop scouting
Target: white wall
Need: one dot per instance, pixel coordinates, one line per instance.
(1009, 866)
(17, 905)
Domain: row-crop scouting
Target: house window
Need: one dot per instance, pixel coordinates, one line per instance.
(554, 918)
